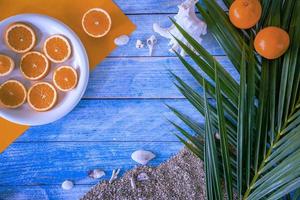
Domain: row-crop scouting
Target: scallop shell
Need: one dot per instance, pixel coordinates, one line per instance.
(142, 156)
(121, 40)
(96, 173)
(67, 185)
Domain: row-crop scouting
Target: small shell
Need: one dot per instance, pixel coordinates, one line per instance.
(67, 185)
(139, 44)
(142, 177)
(96, 173)
(142, 156)
(121, 40)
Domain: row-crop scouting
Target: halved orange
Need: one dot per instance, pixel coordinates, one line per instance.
(34, 65)
(65, 78)
(57, 48)
(12, 94)
(42, 96)
(6, 65)
(96, 22)
(20, 37)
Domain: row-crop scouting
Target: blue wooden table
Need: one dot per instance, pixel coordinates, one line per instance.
(122, 110)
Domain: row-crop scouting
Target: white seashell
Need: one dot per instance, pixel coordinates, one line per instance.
(150, 43)
(142, 156)
(96, 173)
(67, 185)
(121, 40)
(139, 44)
(188, 20)
(142, 177)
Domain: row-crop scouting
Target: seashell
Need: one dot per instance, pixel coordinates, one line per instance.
(121, 40)
(188, 20)
(139, 44)
(150, 43)
(96, 173)
(67, 185)
(142, 177)
(142, 156)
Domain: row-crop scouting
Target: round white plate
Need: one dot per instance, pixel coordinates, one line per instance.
(44, 27)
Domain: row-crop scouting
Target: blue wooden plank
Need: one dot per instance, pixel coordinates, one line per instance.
(144, 30)
(53, 162)
(114, 120)
(152, 6)
(43, 192)
(141, 77)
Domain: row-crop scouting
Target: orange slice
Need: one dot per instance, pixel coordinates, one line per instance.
(12, 94)
(42, 96)
(34, 65)
(6, 65)
(96, 22)
(65, 78)
(57, 48)
(20, 37)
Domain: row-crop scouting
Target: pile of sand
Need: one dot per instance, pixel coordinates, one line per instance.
(181, 177)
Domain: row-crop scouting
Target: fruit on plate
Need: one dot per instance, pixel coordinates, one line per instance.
(6, 65)
(12, 94)
(271, 42)
(245, 14)
(20, 37)
(65, 78)
(34, 65)
(96, 22)
(57, 48)
(42, 96)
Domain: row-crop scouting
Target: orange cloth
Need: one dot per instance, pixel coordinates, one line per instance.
(69, 12)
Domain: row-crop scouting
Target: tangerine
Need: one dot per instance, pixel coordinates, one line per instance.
(6, 65)
(245, 14)
(96, 22)
(57, 48)
(12, 94)
(65, 78)
(271, 42)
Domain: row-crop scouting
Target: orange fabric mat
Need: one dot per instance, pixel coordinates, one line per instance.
(69, 12)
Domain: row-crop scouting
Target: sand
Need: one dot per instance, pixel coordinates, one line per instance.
(181, 177)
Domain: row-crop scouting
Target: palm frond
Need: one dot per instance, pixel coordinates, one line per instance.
(258, 118)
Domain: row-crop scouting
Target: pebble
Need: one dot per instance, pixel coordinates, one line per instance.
(96, 173)
(67, 185)
(142, 156)
(142, 177)
(121, 40)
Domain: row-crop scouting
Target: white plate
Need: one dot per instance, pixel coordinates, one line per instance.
(44, 27)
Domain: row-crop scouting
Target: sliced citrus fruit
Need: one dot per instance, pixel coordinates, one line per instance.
(96, 22)
(57, 48)
(42, 96)
(245, 14)
(6, 65)
(12, 94)
(34, 65)
(271, 42)
(20, 37)
(65, 78)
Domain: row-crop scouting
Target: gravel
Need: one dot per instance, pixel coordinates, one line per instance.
(181, 177)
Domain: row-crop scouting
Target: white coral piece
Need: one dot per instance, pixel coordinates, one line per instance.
(187, 19)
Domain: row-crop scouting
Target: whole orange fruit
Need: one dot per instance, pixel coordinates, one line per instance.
(245, 14)
(271, 42)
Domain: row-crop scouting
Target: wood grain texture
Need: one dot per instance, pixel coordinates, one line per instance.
(42, 192)
(39, 163)
(144, 31)
(141, 77)
(114, 120)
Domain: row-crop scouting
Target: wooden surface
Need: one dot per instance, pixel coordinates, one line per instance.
(124, 109)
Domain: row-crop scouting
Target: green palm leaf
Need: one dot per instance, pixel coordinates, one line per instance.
(257, 118)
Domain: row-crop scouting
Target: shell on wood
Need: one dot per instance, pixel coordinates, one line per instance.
(67, 185)
(142, 156)
(96, 173)
(188, 20)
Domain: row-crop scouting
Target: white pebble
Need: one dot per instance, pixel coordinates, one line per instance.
(142, 177)
(96, 173)
(121, 40)
(142, 156)
(67, 185)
